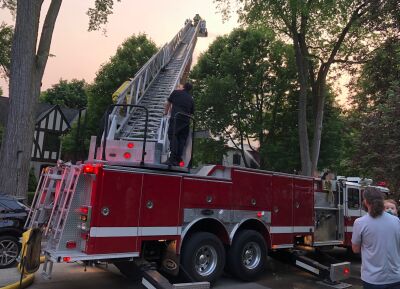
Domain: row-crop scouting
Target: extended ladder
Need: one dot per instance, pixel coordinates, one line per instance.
(149, 89)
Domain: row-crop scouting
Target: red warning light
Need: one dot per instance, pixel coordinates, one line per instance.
(259, 214)
(131, 145)
(66, 259)
(181, 164)
(127, 155)
(89, 169)
(346, 271)
(84, 210)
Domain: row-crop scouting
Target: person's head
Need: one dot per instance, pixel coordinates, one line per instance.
(188, 86)
(373, 200)
(391, 207)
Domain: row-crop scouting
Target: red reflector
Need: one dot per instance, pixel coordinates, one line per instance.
(71, 245)
(84, 210)
(182, 164)
(131, 145)
(88, 169)
(66, 259)
(127, 155)
(346, 271)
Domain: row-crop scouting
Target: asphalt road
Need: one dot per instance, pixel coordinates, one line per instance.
(279, 275)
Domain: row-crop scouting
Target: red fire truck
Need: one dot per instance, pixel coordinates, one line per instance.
(124, 205)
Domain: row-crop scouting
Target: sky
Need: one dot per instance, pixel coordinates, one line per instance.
(79, 54)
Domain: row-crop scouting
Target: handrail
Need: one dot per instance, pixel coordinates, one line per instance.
(138, 85)
(163, 130)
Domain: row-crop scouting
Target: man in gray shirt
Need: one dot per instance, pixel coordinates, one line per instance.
(377, 236)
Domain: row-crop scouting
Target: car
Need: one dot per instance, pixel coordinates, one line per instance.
(13, 215)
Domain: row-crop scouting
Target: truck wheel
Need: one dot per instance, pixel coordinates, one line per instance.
(9, 251)
(129, 269)
(247, 255)
(203, 257)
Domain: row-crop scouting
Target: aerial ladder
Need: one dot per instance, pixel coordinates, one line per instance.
(135, 130)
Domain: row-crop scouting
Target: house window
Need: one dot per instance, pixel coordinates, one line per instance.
(51, 142)
(236, 159)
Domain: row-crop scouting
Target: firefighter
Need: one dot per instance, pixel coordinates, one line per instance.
(182, 105)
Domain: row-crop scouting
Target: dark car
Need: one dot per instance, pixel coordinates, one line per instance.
(12, 219)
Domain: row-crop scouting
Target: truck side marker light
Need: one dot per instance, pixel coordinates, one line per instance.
(131, 145)
(260, 214)
(127, 155)
(346, 271)
(181, 164)
(66, 259)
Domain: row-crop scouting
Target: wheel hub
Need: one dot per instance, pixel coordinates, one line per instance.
(205, 260)
(251, 255)
(8, 252)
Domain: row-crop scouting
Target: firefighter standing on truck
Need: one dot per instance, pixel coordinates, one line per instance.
(182, 105)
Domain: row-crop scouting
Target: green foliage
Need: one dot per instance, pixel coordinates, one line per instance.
(376, 117)
(67, 94)
(6, 35)
(32, 182)
(208, 151)
(129, 58)
(98, 16)
(239, 81)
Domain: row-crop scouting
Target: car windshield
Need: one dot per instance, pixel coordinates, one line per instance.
(8, 204)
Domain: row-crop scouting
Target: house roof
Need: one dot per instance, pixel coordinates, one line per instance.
(41, 110)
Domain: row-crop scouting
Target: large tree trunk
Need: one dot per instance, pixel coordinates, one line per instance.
(302, 113)
(27, 69)
(316, 145)
(17, 143)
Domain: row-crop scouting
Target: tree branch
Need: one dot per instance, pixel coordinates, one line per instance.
(46, 37)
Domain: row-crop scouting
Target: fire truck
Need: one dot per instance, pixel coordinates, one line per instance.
(124, 206)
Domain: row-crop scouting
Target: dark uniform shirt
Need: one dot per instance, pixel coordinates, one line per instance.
(182, 102)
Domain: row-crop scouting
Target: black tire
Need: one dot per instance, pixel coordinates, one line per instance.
(129, 269)
(247, 256)
(9, 251)
(202, 257)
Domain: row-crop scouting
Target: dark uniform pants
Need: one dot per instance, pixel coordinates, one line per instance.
(178, 132)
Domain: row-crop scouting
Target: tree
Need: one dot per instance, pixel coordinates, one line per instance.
(6, 34)
(376, 116)
(68, 94)
(129, 58)
(29, 56)
(239, 82)
(324, 34)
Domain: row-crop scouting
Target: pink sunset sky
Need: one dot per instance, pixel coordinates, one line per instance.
(79, 53)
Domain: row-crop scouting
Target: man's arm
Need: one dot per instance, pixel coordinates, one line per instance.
(167, 107)
(356, 237)
(356, 248)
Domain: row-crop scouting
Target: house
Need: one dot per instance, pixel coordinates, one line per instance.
(52, 121)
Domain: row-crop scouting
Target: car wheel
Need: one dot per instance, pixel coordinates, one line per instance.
(9, 251)
(247, 255)
(203, 257)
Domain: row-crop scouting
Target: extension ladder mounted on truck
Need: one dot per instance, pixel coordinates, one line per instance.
(135, 128)
(122, 206)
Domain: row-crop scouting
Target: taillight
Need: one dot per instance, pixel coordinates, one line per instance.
(181, 164)
(70, 245)
(127, 155)
(66, 259)
(131, 145)
(85, 213)
(89, 169)
(346, 271)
